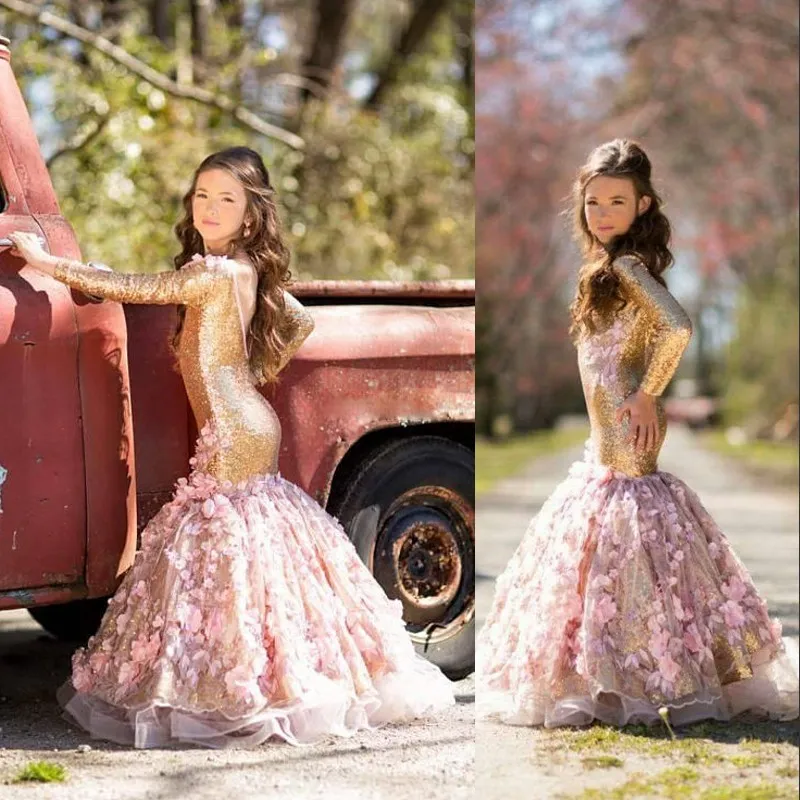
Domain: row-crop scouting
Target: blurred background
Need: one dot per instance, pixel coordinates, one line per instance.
(362, 110)
(710, 88)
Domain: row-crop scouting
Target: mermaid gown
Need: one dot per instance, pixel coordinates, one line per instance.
(624, 596)
(247, 613)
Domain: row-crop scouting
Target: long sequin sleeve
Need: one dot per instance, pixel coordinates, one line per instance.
(303, 326)
(669, 327)
(187, 286)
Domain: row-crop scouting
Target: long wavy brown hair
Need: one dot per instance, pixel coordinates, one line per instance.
(598, 296)
(262, 241)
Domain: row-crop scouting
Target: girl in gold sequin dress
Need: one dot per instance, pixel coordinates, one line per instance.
(247, 614)
(624, 596)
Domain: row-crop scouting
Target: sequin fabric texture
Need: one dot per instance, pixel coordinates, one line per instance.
(247, 614)
(623, 595)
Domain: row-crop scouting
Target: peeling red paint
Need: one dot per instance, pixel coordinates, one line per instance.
(349, 379)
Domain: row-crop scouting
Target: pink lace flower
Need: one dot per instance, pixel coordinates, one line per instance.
(659, 643)
(238, 682)
(692, 639)
(677, 607)
(734, 589)
(209, 508)
(604, 610)
(600, 354)
(602, 582)
(98, 661)
(668, 668)
(732, 612)
(126, 675)
(216, 624)
(631, 661)
(194, 619)
(122, 622)
(81, 679)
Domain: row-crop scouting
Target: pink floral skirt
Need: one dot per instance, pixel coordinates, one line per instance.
(624, 597)
(247, 615)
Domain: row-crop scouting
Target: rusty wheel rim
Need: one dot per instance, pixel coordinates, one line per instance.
(422, 557)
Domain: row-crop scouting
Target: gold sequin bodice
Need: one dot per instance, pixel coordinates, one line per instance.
(641, 349)
(212, 354)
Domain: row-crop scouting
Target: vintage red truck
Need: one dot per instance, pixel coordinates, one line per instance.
(95, 426)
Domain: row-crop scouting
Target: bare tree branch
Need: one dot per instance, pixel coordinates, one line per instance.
(80, 142)
(422, 19)
(152, 76)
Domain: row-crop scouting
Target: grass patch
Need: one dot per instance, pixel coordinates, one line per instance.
(781, 458)
(787, 771)
(708, 761)
(602, 762)
(41, 772)
(642, 740)
(747, 761)
(753, 791)
(675, 783)
(594, 737)
(495, 460)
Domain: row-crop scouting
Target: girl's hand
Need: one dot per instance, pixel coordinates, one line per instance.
(28, 247)
(641, 409)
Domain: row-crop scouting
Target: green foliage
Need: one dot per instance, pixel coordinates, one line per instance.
(762, 366)
(777, 461)
(378, 195)
(495, 460)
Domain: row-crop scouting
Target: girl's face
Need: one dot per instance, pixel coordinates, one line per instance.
(219, 209)
(610, 206)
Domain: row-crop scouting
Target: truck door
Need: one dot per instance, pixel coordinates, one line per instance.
(42, 491)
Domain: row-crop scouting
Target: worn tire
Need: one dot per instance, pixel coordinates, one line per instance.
(71, 622)
(367, 508)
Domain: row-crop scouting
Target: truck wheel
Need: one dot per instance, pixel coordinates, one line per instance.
(71, 622)
(409, 509)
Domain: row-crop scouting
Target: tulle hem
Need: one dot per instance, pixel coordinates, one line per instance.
(770, 694)
(335, 712)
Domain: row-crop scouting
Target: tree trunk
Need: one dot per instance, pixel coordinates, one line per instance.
(77, 13)
(332, 17)
(233, 11)
(422, 19)
(199, 10)
(159, 20)
(465, 24)
(113, 12)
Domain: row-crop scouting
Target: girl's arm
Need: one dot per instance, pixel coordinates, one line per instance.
(669, 328)
(188, 286)
(303, 325)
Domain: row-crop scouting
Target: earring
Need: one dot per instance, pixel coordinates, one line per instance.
(246, 230)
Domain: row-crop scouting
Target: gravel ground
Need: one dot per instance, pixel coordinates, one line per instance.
(431, 757)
